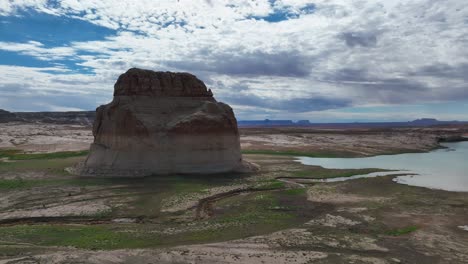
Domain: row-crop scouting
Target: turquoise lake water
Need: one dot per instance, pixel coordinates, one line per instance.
(445, 169)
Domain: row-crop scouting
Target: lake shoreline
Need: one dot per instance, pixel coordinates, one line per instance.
(424, 169)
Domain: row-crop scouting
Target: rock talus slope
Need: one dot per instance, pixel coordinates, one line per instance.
(163, 123)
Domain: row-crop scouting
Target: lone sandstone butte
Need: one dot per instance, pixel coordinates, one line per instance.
(163, 123)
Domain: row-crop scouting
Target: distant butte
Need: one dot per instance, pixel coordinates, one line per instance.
(163, 123)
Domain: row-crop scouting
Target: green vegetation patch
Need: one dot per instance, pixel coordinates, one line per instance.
(12, 184)
(17, 184)
(402, 231)
(18, 155)
(54, 166)
(322, 173)
(298, 191)
(239, 216)
(256, 212)
(86, 236)
(248, 220)
(7, 250)
(260, 212)
(271, 184)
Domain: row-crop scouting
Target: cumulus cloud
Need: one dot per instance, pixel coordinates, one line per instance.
(290, 63)
(364, 39)
(37, 50)
(285, 55)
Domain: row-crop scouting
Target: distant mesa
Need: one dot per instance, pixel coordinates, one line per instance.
(73, 118)
(163, 123)
(6, 116)
(428, 121)
(424, 122)
(303, 122)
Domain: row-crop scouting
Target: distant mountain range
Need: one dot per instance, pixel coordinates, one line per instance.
(87, 118)
(424, 122)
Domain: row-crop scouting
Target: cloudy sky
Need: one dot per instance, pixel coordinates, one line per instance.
(323, 60)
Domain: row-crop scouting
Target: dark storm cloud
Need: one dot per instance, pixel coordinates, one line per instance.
(363, 39)
(348, 75)
(430, 83)
(287, 64)
(444, 71)
(454, 79)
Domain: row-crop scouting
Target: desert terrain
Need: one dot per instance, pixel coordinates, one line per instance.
(274, 215)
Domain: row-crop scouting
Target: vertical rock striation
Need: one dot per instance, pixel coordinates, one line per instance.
(163, 123)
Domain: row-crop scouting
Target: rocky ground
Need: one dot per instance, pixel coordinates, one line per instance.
(345, 143)
(272, 216)
(43, 138)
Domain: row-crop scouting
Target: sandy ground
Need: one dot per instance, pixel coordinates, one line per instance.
(185, 202)
(343, 233)
(351, 222)
(363, 142)
(58, 202)
(242, 251)
(44, 137)
(40, 138)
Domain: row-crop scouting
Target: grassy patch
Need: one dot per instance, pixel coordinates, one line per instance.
(271, 184)
(55, 166)
(18, 155)
(52, 163)
(235, 217)
(402, 231)
(250, 219)
(297, 153)
(263, 197)
(88, 237)
(13, 184)
(17, 184)
(9, 250)
(298, 191)
(255, 212)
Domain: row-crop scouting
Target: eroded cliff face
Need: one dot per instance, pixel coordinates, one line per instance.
(163, 123)
(160, 84)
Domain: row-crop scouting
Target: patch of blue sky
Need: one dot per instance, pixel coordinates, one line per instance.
(279, 15)
(308, 9)
(285, 14)
(16, 59)
(53, 3)
(50, 30)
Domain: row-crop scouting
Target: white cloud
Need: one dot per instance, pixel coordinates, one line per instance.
(37, 50)
(368, 52)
